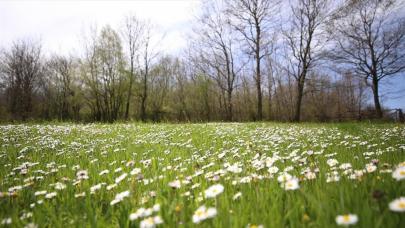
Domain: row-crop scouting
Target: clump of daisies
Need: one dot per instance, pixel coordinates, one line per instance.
(151, 222)
(288, 182)
(144, 212)
(203, 213)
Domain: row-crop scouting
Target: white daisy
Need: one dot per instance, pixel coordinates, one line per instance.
(348, 219)
(398, 205)
(203, 213)
(214, 190)
(399, 173)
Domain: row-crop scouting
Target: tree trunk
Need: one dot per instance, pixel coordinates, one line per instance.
(258, 75)
(300, 87)
(229, 112)
(143, 101)
(376, 98)
(128, 97)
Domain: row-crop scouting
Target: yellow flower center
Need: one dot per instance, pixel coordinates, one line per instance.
(346, 218)
(178, 208)
(199, 213)
(401, 205)
(402, 172)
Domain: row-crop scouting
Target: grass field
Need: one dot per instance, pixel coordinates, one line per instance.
(246, 175)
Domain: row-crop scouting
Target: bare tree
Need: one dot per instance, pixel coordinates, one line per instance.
(252, 19)
(147, 56)
(61, 79)
(217, 52)
(304, 41)
(132, 33)
(370, 38)
(21, 68)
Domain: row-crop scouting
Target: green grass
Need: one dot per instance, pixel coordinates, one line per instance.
(178, 151)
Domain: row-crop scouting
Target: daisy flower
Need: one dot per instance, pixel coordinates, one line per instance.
(203, 213)
(214, 190)
(284, 177)
(399, 173)
(119, 197)
(398, 205)
(291, 184)
(82, 175)
(237, 196)
(120, 178)
(151, 222)
(175, 184)
(348, 219)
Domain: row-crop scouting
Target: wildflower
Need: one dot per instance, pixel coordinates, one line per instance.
(348, 219)
(306, 218)
(175, 184)
(234, 168)
(332, 162)
(50, 195)
(398, 205)
(254, 226)
(284, 177)
(31, 225)
(156, 207)
(291, 184)
(111, 186)
(83, 194)
(140, 213)
(59, 186)
(120, 178)
(135, 171)
(273, 170)
(332, 178)
(371, 168)
(130, 163)
(237, 196)
(345, 166)
(119, 197)
(151, 222)
(38, 193)
(203, 213)
(94, 188)
(82, 175)
(6, 221)
(399, 173)
(106, 171)
(214, 190)
(310, 175)
(117, 170)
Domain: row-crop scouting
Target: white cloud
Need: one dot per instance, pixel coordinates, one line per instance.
(59, 24)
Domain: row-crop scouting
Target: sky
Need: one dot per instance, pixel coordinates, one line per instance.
(61, 25)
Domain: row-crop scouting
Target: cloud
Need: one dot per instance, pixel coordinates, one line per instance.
(60, 24)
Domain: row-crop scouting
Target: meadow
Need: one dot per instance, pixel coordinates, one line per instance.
(202, 175)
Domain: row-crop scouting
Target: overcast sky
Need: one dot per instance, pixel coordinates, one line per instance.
(60, 25)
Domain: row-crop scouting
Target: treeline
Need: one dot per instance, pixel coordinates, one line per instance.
(246, 60)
